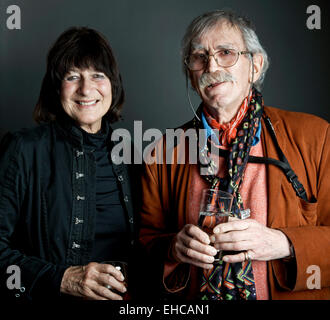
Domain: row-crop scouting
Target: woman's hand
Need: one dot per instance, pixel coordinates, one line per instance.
(91, 282)
(262, 243)
(191, 245)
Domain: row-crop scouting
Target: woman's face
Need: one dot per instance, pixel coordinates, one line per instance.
(86, 97)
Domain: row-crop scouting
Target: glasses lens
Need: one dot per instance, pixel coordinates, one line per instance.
(196, 61)
(226, 57)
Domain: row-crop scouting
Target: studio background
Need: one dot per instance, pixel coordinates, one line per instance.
(145, 36)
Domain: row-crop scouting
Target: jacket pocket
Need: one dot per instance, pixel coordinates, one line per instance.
(308, 212)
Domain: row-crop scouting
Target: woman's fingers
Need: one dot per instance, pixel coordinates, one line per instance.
(106, 279)
(107, 292)
(110, 269)
(91, 281)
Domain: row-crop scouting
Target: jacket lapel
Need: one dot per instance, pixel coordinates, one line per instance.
(274, 174)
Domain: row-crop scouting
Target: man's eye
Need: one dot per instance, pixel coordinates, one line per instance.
(199, 56)
(225, 52)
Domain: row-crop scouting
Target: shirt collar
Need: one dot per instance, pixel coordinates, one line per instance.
(214, 138)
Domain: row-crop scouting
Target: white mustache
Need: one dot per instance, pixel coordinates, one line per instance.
(215, 77)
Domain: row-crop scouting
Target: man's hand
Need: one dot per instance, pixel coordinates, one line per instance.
(191, 245)
(90, 282)
(261, 242)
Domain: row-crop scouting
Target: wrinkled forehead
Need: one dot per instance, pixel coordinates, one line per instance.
(222, 34)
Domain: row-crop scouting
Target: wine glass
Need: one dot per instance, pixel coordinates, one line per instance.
(215, 208)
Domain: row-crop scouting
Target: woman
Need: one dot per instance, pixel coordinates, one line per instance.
(64, 206)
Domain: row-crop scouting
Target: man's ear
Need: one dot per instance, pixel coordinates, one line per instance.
(258, 62)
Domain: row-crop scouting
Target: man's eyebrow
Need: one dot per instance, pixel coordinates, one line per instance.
(198, 46)
(225, 46)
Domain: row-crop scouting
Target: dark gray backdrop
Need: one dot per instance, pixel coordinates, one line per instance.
(145, 36)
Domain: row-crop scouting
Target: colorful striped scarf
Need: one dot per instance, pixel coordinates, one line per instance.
(233, 281)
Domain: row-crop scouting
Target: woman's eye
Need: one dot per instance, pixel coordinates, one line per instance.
(71, 78)
(99, 76)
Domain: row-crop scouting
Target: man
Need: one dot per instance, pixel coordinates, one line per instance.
(274, 162)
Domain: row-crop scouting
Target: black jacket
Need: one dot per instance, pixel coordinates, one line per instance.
(47, 207)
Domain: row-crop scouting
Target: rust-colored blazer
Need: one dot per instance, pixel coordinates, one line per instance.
(305, 141)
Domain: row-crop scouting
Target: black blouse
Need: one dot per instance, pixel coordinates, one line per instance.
(111, 229)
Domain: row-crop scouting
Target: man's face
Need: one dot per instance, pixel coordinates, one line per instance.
(226, 95)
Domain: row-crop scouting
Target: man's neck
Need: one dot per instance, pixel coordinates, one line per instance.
(221, 114)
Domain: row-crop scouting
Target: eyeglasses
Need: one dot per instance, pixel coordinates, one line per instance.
(223, 57)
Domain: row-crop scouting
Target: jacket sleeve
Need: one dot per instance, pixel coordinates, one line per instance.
(158, 228)
(311, 243)
(35, 277)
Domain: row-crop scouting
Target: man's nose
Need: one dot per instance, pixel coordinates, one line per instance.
(211, 65)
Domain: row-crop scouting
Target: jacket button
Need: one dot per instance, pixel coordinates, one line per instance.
(79, 153)
(22, 289)
(17, 295)
(79, 175)
(75, 245)
(80, 198)
(77, 221)
(130, 220)
(126, 198)
(120, 178)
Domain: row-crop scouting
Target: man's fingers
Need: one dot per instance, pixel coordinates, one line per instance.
(236, 225)
(234, 246)
(234, 258)
(198, 246)
(197, 233)
(192, 254)
(194, 262)
(232, 236)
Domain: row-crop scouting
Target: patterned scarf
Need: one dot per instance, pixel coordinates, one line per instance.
(233, 281)
(228, 131)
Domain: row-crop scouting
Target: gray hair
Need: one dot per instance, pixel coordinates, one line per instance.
(203, 23)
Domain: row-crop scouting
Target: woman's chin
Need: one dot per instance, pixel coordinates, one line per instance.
(91, 126)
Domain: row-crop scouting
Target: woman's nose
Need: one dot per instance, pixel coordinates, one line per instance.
(85, 87)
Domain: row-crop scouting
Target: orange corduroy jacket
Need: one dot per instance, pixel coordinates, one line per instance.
(305, 141)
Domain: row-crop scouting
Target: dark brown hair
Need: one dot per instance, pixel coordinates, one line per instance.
(82, 48)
